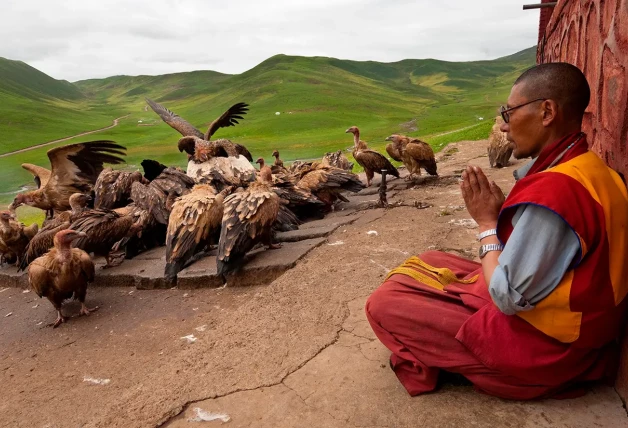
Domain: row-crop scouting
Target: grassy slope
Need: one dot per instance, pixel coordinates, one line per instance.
(318, 98)
(36, 108)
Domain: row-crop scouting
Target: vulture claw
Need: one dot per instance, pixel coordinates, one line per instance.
(86, 311)
(274, 246)
(60, 320)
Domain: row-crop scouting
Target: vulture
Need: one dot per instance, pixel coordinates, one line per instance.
(14, 235)
(499, 148)
(327, 183)
(152, 169)
(278, 162)
(74, 168)
(284, 185)
(6, 255)
(63, 273)
(200, 150)
(43, 240)
(415, 154)
(157, 196)
(393, 152)
(228, 118)
(370, 160)
(194, 224)
(102, 229)
(248, 219)
(113, 188)
(338, 160)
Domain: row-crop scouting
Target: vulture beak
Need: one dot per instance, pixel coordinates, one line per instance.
(89, 198)
(347, 131)
(81, 234)
(388, 138)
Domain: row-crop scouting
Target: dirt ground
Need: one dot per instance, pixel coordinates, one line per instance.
(297, 352)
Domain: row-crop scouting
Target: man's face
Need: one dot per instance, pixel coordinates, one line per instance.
(525, 126)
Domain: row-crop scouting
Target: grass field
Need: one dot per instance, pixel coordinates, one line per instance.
(317, 98)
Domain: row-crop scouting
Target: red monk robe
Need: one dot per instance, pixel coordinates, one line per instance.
(433, 318)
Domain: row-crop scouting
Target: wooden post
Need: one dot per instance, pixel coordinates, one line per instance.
(382, 190)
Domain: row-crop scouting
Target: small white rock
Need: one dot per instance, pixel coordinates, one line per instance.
(190, 338)
(372, 233)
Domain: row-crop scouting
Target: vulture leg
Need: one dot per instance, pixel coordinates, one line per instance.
(268, 240)
(369, 176)
(60, 319)
(80, 295)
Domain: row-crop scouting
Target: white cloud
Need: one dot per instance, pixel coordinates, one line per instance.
(80, 39)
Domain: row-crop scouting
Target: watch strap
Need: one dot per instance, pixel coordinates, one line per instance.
(490, 247)
(486, 233)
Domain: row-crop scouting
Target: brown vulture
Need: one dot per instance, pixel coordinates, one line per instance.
(14, 235)
(74, 169)
(43, 240)
(370, 160)
(249, 216)
(415, 154)
(194, 224)
(327, 183)
(499, 148)
(338, 160)
(63, 273)
(228, 118)
(113, 188)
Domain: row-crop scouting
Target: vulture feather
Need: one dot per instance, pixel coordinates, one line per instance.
(194, 223)
(248, 218)
(152, 169)
(228, 118)
(113, 188)
(74, 169)
(337, 160)
(415, 154)
(43, 240)
(62, 273)
(327, 183)
(14, 235)
(370, 160)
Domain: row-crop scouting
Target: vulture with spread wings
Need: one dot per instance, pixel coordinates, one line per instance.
(228, 118)
(74, 169)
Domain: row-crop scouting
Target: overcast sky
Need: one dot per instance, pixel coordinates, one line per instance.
(81, 39)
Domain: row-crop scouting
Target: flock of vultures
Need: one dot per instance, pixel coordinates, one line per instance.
(221, 201)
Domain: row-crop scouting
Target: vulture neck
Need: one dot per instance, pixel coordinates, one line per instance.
(64, 251)
(356, 138)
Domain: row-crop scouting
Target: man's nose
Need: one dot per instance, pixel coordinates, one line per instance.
(504, 127)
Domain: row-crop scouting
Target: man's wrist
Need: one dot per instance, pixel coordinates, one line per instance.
(487, 226)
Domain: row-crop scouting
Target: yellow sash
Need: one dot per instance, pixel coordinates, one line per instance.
(432, 276)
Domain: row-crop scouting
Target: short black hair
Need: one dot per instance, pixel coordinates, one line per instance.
(559, 81)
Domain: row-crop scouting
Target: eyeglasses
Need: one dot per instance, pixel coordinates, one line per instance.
(504, 111)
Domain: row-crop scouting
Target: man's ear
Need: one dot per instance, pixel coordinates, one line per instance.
(549, 110)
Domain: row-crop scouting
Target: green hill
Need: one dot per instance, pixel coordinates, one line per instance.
(317, 98)
(36, 108)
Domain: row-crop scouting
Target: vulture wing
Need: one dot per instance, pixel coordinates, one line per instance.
(422, 153)
(374, 161)
(40, 174)
(228, 118)
(248, 218)
(103, 229)
(41, 244)
(393, 153)
(113, 188)
(76, 167)
(194, 218)
(172, 119)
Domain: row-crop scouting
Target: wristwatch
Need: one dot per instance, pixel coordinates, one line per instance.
(486, 233)
(490, 247)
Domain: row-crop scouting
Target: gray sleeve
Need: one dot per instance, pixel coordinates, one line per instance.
(537, 255)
